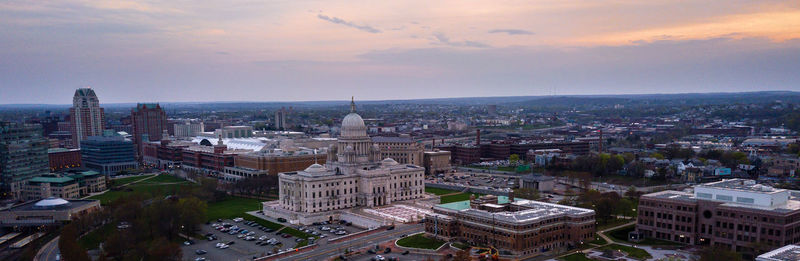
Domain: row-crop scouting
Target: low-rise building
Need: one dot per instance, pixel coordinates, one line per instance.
(538, 182)
(733, 213)
(436, 161)
(49, 211)
(69, 185)
(272, 162)
(786, 253)
(402, 149)
(519, 227)
(61, 158)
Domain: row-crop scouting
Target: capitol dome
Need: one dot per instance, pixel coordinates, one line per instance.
(352, 124)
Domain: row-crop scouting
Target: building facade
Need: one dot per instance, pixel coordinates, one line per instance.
(273, 162)
(230, 132)
(354, 176)
(108, 154)
(521, 227)
(86, 116)
(188, 129)
(436, 162)
(61, 158)
(734, 214)
(23, 155)
(46, 212)
(280, 119)
(402, 149)
(149, 123)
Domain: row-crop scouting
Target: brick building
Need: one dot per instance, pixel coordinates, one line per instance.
(734, 213)
(522, 227)
(61, 158)
(272, 162)
(149, 124)
(436, 162)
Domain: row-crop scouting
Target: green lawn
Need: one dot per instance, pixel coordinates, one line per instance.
(621, 235)
(457, 197)
(598, 240)
(164, 178)
(126, 180)
(263, 222)
(149, 189)
(439, 191)
(94, 238)
(420, 241)
(613, 223)
(576, 257)
(633, 252)
(232, 207)
(460, 245)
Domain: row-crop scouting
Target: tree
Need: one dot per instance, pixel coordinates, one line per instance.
(711, 253)
(513, 159)
(70, 250)
(527, 193)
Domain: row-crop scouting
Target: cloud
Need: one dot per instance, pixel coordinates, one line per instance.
(336, 20)
(511, 31)
(443, 39)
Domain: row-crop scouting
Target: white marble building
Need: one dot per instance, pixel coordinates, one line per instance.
(354, 176)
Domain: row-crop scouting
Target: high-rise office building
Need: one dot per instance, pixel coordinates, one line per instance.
(149, 123)
(280, 119)
(188, 128)
(108, 154)
(23, 155)
(86, 116)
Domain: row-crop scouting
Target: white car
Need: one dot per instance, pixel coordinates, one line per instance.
(224, 246)
(219, 244)
(238, 219)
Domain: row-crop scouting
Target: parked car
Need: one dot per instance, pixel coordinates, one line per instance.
(200, 252)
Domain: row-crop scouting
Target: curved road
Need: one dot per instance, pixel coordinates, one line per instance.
(49, 251)
(323, 252)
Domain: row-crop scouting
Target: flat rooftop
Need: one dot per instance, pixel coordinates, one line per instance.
(73, 203)
(741, 185)
(786, 253)
(532, 211)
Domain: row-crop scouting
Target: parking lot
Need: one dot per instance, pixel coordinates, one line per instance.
(239, 247)
(329, 230)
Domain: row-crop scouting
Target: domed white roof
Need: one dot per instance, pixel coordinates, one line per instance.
(315, 168)
(388, 162)
(353, 126)
(50, 202)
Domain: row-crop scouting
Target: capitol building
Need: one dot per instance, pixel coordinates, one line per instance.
(353, 176)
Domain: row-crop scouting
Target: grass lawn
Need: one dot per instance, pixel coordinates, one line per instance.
(621, 235)
(457, 197)
(633, 252)
(420, 241)
(460, 245)
(164, 179)
(613, 223)
(232, 207)
(575, 257)
(126, 180)
(94, 238)
(439, 191)
(598, 240)
(149, 189)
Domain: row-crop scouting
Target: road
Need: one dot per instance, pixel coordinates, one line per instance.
(323, 252)
(48, 252)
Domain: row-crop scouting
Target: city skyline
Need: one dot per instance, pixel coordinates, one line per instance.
(303, 51)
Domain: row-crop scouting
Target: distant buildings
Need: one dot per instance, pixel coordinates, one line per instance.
(230, 132)
(86, 116)
(188, 128)
(272, 162)
(108, 154)
(209, 159)
(23, 155)
(523, 227)
(733, 213)
(61, 158)
(149, 123)
(538, 182)
(436, 162)
(280, 119)
(402, 149)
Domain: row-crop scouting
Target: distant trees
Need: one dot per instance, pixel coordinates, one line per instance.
(527, 193)
(599, 164)
(69, 247)
(513, 159)
(262, 185)
(606, 205)
(712, 253)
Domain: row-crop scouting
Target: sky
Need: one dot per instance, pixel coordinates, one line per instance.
(184, 51)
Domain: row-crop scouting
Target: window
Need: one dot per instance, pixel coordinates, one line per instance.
(745, 200)
(724, 198)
